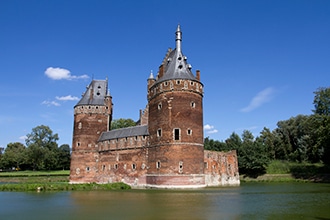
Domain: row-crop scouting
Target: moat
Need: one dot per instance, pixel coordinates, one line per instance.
(248, 201)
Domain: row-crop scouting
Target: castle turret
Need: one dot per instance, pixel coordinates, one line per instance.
(175, 126)
(92, 116)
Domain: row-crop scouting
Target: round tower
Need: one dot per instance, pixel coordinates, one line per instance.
(175, 99)
(92, 116)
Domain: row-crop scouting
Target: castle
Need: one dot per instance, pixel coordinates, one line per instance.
(165, 149)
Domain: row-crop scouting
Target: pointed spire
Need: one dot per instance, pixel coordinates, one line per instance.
(178, 38)
(151, 75)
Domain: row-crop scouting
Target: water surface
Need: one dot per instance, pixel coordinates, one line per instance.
(249, 201)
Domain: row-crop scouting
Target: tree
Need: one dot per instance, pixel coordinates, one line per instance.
(322, 101)
(268, 140)
(122, 123)
(252, 156)
(42, 148)
(64, 157)
(234, 142)
(14, 155)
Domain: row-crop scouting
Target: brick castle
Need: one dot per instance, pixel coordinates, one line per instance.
(165, 149)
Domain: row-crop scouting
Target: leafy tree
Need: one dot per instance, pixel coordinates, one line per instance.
(122, 123)
(234, 142)
(252, 156)
(64, 157)
(42, 148)
(14, 155)
(322, 101)
(215, 145)
(268, 140)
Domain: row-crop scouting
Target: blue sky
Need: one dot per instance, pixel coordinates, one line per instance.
(260, 61)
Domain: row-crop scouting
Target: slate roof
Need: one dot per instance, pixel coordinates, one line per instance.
(125, 132)
(95, 93)
(175, 63)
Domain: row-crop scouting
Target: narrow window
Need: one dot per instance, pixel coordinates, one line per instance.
(78, 144)
(133, 166)
(103, 167)
(158, 164)
(159, 132)
(193, 104)
(159, 106)
(116, 166)
(180, 167)
(189, 132)
(206, 165)
(87, 169)
(176, 134)
(178, 81)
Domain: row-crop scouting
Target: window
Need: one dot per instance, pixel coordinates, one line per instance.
(133, 166)
(158, 164)
(180, 167)
(116, 166)
(206, 165)
(176, 134)
(103, 167)
(189, 131)
(178, 81)
(88, 169)
(159, 106)
(159, 132)
(193, 104)
(78, 144)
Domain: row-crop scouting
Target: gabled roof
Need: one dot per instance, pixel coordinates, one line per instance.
(95, 93)
(125, 132)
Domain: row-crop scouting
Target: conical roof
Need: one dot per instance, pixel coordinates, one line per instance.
(175, 63)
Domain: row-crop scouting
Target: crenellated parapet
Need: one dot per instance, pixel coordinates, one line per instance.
(176, 85)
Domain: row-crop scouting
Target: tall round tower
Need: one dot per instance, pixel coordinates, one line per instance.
(175, 99)
(92, 116)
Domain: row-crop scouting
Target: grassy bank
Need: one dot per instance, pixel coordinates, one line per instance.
(284, 171)
(48, 181)
(39, 187)
(34, 176)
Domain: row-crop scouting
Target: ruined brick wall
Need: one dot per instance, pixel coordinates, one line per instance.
(221, 168)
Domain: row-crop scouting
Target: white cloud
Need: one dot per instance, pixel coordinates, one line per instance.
(67, 98)
(261, 98)
(60, 73)
(209, 129)
(50, 103)
(212, 131)
(22, 138)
